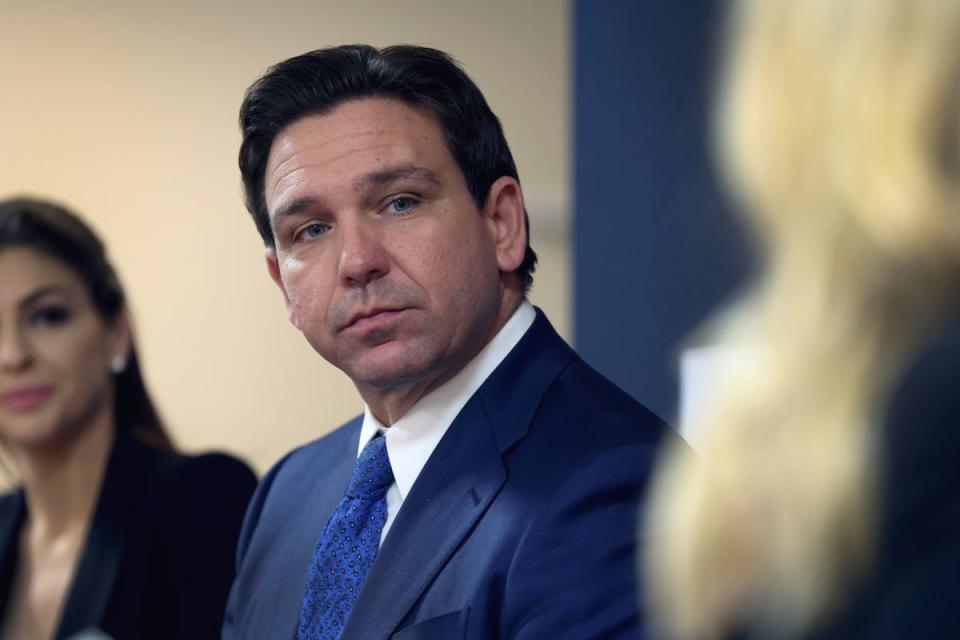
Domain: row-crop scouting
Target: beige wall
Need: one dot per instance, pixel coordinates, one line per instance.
(128, 114)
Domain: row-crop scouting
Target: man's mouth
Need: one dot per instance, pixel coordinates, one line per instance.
(372, 318)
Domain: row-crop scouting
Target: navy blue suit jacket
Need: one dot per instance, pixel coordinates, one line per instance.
(522, 524)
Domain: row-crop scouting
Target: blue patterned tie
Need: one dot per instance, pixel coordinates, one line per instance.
(347, 547)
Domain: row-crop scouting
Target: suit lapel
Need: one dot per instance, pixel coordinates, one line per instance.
(286, 594)
(92, 583)
(512, 393)
(11, 521)
(97, 567)
(332, 485)
(461, 478)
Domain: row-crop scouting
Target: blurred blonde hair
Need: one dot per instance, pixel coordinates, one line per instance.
(839, 125)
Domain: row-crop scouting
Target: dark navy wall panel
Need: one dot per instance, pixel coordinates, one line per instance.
(654, 249)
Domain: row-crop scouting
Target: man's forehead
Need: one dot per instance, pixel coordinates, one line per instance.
(316, 141)
(358, 144)
(371, 117)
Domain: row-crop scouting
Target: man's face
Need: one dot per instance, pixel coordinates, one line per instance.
(387, 265)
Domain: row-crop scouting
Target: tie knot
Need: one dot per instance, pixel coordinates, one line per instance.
(372, 475)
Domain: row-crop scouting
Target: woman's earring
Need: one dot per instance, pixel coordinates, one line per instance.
(118, 365)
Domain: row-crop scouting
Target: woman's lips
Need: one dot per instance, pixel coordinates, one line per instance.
(25, 398)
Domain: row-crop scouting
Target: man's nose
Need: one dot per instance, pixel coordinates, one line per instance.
(15, 351)
(363, 256)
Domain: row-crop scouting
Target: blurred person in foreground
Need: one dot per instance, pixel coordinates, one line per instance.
(489, 489)
(826, 500)
(111, 528)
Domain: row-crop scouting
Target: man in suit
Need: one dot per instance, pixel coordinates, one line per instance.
(501, 498)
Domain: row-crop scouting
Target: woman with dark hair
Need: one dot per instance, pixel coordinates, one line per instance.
(110, 529)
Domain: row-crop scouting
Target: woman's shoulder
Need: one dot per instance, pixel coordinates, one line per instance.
(211, 464)
(206, 474)
(215, 475)
(179, 478)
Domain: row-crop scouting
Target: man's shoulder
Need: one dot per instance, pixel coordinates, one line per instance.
(572, 390)
(583, 391)
(298, 477)
(584, 419)
(544, 393)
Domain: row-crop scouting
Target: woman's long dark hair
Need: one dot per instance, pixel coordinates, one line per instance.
(59, 233)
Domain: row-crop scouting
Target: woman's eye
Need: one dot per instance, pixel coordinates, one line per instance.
(312, 231)
(402, 204)
(50, 316)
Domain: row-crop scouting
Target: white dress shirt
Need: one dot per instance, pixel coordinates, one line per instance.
(412, 439)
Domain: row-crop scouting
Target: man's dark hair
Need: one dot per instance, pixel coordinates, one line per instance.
(315, 83)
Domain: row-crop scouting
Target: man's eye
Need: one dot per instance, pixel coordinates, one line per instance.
(312, 231)
(51, 316)
(403, 204)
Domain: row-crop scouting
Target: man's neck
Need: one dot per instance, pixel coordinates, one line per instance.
(389, 405)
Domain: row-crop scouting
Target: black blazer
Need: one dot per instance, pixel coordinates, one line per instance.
(158, 559)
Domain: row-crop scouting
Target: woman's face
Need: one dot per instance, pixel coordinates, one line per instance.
(55, 351)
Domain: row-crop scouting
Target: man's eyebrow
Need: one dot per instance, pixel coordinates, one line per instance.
(293, 207)
(375, 178)
(392, 174)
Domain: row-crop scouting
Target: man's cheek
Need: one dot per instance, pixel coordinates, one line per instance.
(294, 311)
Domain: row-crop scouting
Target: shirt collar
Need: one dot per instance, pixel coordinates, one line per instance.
(412, 439)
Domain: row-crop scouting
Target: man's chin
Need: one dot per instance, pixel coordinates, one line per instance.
(388, 367)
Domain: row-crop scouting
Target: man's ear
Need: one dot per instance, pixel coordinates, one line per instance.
(274, 269)
(506, 214)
